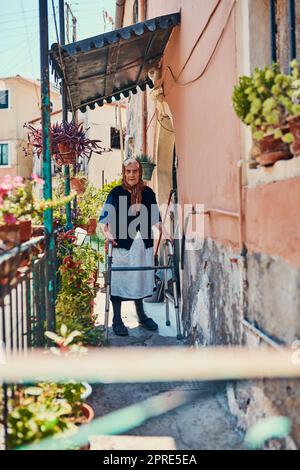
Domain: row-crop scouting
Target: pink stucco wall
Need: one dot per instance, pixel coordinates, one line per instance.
(207, 134)
(206, 130)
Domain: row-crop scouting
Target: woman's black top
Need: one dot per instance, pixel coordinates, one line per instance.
(124, 222)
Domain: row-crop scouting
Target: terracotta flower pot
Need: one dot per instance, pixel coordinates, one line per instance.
(86, 416)
(88, 413)
(78, 184)
(66, 156)
(91, 227)
(10, 234)
(294, 125)
(25, 230)
(38, 230)
(272, 150)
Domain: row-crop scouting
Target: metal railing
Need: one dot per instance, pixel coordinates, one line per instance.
(22, 309)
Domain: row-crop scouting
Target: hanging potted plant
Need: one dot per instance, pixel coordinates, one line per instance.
(69, 141)
(147, 166)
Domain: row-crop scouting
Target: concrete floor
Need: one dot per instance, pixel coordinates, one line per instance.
(205, 423)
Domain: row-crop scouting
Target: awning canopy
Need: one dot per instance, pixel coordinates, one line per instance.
(102, 67)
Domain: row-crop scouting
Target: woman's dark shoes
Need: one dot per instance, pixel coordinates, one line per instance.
(120, 329)
(149, 324)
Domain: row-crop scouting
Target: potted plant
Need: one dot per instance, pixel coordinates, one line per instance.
(264, 102)
(69, 141)
(79, 183)
(88, 209)
(74, 306)
(147, 166)
(17, 208)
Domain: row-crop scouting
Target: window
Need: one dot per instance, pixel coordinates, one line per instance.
(3, 155)
(115, 138)
(3, 99)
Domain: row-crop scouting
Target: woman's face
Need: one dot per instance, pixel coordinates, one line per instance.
(132, 174)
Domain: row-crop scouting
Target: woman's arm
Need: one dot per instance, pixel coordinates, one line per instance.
(105, 229)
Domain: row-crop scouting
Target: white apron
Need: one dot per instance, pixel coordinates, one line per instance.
(133, 284)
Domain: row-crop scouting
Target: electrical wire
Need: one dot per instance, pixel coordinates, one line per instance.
(60, 57)
(175, 79)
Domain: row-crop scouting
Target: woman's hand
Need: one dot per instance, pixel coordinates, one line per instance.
(109, 238)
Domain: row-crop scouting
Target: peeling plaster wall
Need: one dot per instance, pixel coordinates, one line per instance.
(211, 296)
(212, 316)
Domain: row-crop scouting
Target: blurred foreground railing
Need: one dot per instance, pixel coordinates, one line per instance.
(134, 365)
(22, 308)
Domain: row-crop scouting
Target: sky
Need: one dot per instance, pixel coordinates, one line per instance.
(19, 31)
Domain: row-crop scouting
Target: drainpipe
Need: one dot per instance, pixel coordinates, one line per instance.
(142, 17)
(120, 8)
(292, 29)
(273, 30)
(242, 245)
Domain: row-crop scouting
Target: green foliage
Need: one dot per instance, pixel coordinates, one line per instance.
(34, 421)
(143, 158)
(47, 408)
(265, 100)
(240, 100)
(106, 189)
(73, 306)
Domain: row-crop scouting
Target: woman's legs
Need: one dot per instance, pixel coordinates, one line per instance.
(140, 310)
(118, 326)
(145, 321)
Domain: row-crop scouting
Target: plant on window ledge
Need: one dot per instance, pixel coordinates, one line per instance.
(265, 101)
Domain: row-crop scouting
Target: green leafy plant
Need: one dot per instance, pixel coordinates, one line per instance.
(106, 189)
(78, 290)
(88, 205)
(33, 421)
(264, 100)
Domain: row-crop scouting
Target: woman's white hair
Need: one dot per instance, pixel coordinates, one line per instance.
(128, 161)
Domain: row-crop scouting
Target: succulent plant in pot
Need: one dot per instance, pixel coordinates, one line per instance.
(264, 101)
(69, 141)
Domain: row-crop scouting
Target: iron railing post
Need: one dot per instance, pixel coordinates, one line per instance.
(65, 112)
(46, 122)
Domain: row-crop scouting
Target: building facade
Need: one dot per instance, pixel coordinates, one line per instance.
(240, 283)
(19, 103)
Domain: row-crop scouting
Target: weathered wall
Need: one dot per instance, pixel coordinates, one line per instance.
(211, 313)
(209, 143)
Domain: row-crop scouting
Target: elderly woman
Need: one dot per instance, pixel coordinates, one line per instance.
(127, 218)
